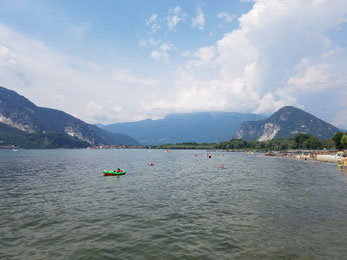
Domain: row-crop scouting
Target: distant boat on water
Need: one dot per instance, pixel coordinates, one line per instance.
(7, 147)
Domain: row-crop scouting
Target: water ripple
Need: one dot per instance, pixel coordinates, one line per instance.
(56, 204)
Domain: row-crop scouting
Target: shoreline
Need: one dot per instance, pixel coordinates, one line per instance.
(323, 158)
(319, 157)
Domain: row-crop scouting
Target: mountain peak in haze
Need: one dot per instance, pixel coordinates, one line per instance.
(209, 127)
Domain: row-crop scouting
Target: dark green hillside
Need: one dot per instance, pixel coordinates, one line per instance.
(7, 130)
(50, 125)
(42, 141)
(13, 136)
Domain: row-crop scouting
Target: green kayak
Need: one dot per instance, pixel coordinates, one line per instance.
(113, 173)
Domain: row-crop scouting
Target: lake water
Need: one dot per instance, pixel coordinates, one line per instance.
(56, 204)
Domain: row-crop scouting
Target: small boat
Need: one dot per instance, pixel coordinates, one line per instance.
(114, 173)
(270, 154)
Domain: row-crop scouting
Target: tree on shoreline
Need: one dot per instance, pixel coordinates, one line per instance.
(344, 140)
(337, 139)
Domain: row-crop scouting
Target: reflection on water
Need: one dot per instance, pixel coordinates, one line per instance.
(58, 204)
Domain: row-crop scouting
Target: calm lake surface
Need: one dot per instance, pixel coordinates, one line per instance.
(56, 204)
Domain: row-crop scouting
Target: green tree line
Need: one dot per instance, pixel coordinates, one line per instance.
(187, 145)
(300, 141)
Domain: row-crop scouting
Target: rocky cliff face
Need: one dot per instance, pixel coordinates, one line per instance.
(270, 131)
(18, 112)
(15, 124)
(285, 123)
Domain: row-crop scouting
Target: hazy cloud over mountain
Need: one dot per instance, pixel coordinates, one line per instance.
(117, 65)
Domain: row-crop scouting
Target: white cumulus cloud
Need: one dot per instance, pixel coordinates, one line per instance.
(227, 18)
(162, 53)
(152, 22)
(175, 16)
(151, 19)
(93, 92)
(284, 52)
(199, 20)
(281, 54)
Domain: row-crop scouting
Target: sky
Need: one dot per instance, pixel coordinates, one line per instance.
(112, 61)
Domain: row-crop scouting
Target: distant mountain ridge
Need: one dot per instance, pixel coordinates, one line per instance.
(285, 123)
(17, 112)
(54, 128)
(209, 127)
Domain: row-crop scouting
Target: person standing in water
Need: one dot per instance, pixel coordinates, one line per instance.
(339, 165)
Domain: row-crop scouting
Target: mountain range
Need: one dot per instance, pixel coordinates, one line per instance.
(209, 127)
(32, 126)
(220, 126)
(285, 123)
(20, 117)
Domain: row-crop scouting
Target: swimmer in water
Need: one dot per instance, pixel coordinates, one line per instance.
(339, 165)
